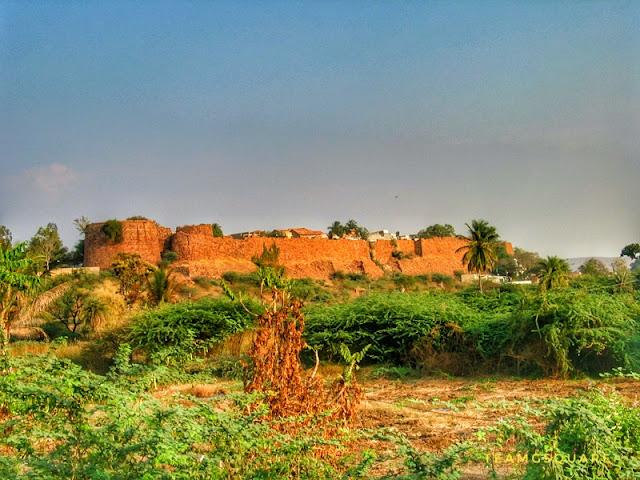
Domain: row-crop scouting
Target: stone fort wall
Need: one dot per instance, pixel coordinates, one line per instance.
(202, 254)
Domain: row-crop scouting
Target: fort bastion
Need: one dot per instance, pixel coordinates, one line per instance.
(202, 254)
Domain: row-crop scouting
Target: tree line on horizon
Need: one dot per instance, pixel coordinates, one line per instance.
(484, 252)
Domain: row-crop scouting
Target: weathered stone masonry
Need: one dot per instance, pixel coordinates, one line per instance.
(201, 254)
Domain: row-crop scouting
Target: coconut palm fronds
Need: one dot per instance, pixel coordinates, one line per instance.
(30, 312)
(29, 333)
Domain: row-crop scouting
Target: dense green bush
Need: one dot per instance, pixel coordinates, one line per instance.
(566, 331)
(403, 281)
(557, 333)
(112, 230)
(443, 279)
(393, 324)
(169, 256)
(59, 421)
(203, 282)
(234, 278)
(352, 276)
(174, 333)
(596, 435)
(306, 289)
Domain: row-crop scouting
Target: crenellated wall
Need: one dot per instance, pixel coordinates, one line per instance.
(202, 254)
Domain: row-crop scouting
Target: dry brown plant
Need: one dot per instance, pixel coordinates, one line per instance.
(277, 371)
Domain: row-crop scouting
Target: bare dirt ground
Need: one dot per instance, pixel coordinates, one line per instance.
(435, 413)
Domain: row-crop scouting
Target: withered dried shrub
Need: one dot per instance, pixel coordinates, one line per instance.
(277, 371)
(345, 393)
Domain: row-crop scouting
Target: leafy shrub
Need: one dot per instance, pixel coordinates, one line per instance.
(566, 331)
(187, 291)
(351, 276)
(357, 277)
(393, 324)
(216, 230)
(221, 365)
(235, 278)
(269, 261)
(59, 421)
(393, 372)
(458, 274)
(137, 217)
(596, 435)
(174, 333)
(132, 273)
(203, 282)
(169, 256)
(112, 230)
(304, 289)
(590, 282)
(403, 281)
(444, 466)
(338, 275)
(558, 333)
(400, 255)
(231, 277)
(443, 279)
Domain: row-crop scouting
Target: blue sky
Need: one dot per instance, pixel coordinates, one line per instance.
(283, 114)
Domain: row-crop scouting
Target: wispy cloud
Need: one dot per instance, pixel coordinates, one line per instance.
(50, 179)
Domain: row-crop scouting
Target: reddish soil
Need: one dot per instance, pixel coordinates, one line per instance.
(434, 413)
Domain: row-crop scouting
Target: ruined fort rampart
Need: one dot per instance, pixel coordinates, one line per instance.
(202, 254)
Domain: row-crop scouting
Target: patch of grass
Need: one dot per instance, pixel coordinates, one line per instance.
(28, 347)
(463, 399)
(394, 372)
(407, 402)
(203, 282)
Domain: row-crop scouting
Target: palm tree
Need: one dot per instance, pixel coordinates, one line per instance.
(480, 251)
(161, 286)
(14, 283)
(336, 230)
(554, 272)
(20, 300)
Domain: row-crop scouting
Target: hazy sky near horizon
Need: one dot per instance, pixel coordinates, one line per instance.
(262, 115)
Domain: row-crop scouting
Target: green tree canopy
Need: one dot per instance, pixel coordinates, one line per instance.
(506, 264)
(5, 238)
(528, 262)
(77, 307)
(480, 252)
(632, 251)
(14, 267)
(217, 230)
(132, 273)
(46, 243)
(593, 267)
(554, 272)
(437, 230)
(15, 284)
(338, 230)
(76, 256)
